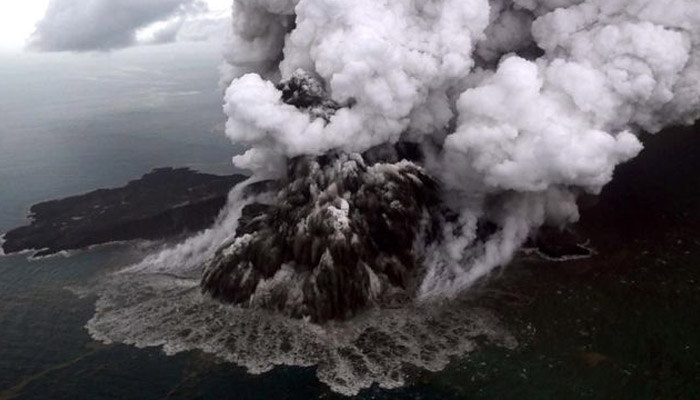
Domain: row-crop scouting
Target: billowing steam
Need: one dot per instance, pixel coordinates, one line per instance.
(518, 106)
(404, 149)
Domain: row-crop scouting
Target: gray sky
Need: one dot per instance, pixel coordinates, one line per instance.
(92, 25)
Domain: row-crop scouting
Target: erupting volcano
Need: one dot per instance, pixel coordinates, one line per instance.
(510, 110)
(400, 151)
(344, 230)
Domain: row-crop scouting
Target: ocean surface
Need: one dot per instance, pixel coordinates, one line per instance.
(73, 125)
(621, 325)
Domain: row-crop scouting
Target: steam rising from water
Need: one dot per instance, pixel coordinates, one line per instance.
(518, 106)
(187, 258)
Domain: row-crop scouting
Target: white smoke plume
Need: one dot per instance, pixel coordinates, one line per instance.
(520, 105)
(186, 258)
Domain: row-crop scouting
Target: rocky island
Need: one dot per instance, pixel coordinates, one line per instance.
(163, 203)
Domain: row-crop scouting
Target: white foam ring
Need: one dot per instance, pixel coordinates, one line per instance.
(592, 252)
(149, 310)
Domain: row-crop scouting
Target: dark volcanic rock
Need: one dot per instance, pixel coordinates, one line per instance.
(307, 93)
(162, 203)
(558, 244)
(340, 235)
(344, 231)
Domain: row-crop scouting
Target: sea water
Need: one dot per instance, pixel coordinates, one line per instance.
(620, 325)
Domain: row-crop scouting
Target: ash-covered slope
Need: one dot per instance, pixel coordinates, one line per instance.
(340, 235)
(345, 230)
(162, 203)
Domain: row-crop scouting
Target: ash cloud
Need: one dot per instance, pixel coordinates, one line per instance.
(102, 25)
(519, 105)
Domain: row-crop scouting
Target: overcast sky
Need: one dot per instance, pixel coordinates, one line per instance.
(94, 25)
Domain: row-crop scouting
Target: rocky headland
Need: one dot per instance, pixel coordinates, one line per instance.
(163, 203)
